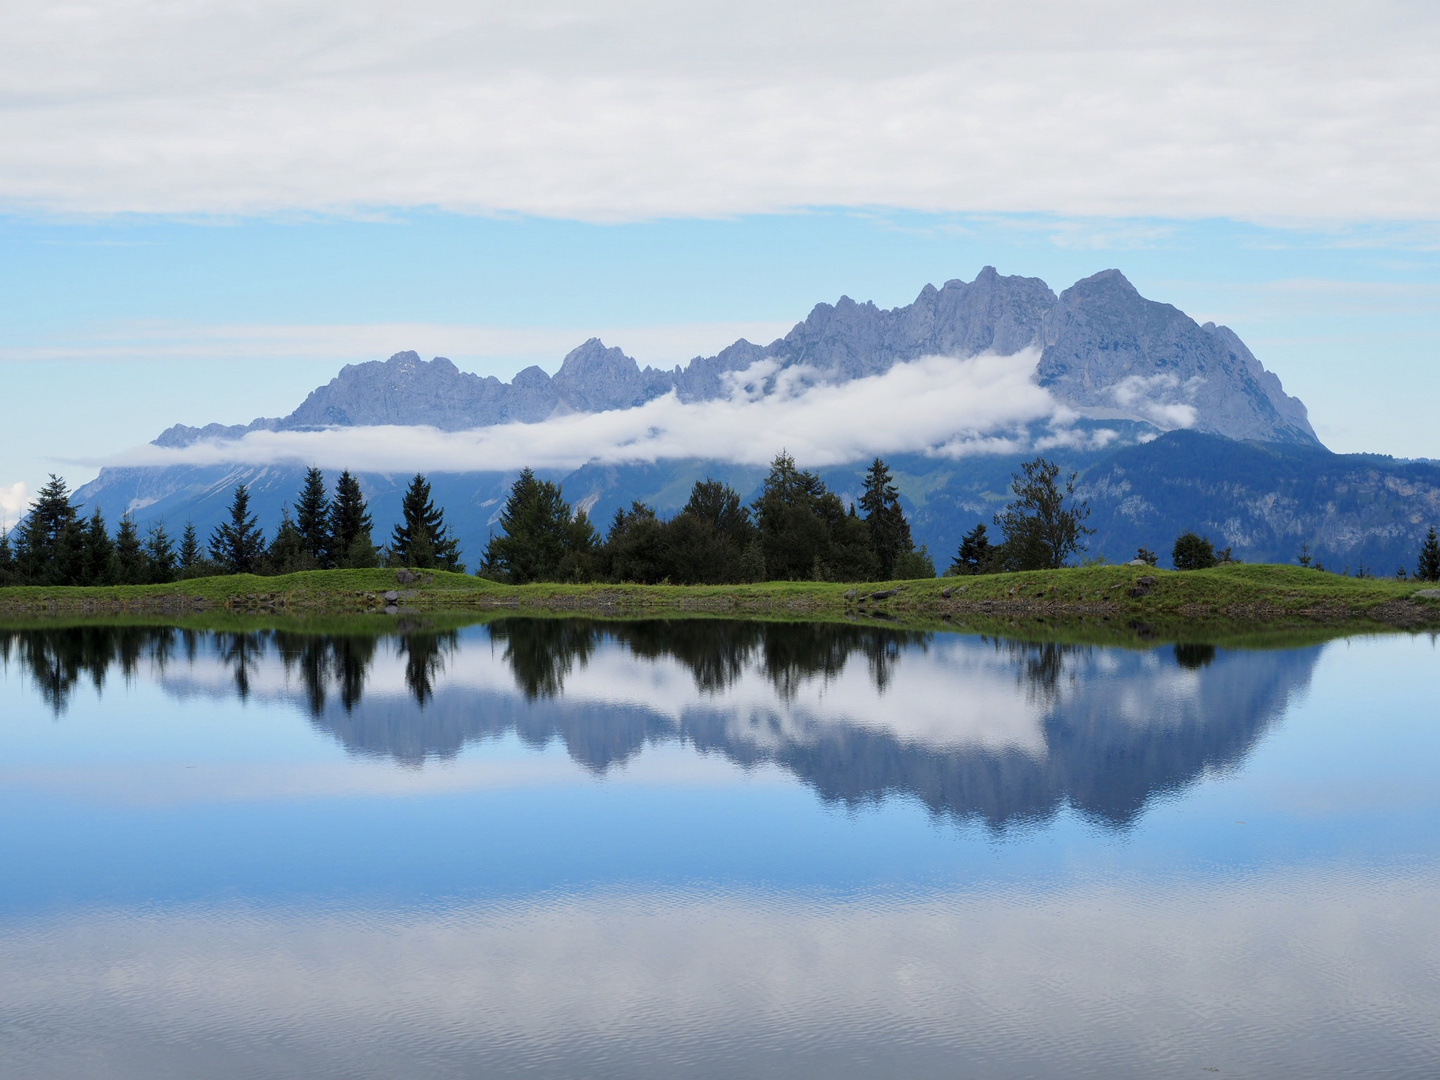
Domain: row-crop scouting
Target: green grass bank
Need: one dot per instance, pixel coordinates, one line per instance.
(1219, 603)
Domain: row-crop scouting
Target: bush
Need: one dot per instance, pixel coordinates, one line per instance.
(1193, 552)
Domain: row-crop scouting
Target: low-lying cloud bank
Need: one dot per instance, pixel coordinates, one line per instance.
(936, 405)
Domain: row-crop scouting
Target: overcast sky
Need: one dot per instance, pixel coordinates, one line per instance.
(208, 207)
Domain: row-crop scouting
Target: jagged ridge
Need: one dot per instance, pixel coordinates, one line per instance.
(1106, 351)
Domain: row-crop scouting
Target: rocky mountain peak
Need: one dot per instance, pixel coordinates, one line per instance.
(1105, 350)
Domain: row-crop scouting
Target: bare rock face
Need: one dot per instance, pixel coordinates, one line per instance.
(1111, 352)
(1107, 351)
(593, 378)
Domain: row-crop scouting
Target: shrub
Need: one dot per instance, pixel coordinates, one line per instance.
(1193, 552)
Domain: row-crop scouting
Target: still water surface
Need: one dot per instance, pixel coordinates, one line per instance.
(560, 849)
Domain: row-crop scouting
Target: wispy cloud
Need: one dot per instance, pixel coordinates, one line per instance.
(621, 109)
(14, 499)
(940, 405)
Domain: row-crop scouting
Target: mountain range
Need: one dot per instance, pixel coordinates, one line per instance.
(1172, 424)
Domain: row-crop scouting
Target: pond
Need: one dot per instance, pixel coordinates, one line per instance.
(559, 848)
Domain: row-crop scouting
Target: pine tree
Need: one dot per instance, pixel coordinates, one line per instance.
(39, 550)
(129, 557)
(189, 549)
(976, 555)
(159, 555)
(889, 531)
(237, 546)
(421, 539)
(100, 568)
(537, 524)
(1429, 567)
(288, 551)
(312, 520)
(350, 525)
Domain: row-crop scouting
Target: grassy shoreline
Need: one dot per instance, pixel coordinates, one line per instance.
(1104, 601)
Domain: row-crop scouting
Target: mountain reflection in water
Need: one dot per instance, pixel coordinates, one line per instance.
(977, 729)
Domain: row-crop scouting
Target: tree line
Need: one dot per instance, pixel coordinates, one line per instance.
(55, 545)
(797, 529)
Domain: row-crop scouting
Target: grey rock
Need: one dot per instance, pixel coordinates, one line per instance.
(1427, 594)
(392, 596)
(1112, 352)
(1106, 350)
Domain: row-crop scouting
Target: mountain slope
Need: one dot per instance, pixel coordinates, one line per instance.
(1106, 351)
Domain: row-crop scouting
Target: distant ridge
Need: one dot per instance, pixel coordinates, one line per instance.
(1104, 350)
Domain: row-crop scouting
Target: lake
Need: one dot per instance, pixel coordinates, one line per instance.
(558, 848)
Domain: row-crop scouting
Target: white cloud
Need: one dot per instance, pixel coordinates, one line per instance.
(638, 108)
(942, 405)
(1155, 398)
(14, 501)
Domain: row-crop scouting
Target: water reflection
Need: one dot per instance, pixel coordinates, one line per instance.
(977, 729)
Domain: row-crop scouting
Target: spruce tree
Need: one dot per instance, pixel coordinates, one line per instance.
(889, 531)
(312, 520)
(976, 555)
(69, 559)
(7, 557)
(189, 549)
(39, 549)
(100, 568)
(538, 536)
(350, 525)
(159, 555)
(421, 539)
(236, 546)
(129, 556)
(1429, 567)
(288, 551)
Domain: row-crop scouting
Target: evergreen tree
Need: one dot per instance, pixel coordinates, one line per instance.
(635, 549)
(313, 520)
(1429, 566)
(804, 526)
(889, 531)
(129, 556)
(538, 533)
(69, 560)
(159, 555)
(976, 555)
(99, 557)
(421, 539)
(288, 551)
(189, 549)
(1041, 531)
(350, 525)
(718, 505)
(237, 546)
(39, 555)
(7, 558)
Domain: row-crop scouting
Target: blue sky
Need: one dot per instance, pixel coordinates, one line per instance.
(205, 213)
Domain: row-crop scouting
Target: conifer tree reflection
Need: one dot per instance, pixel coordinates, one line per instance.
(241, 651)
(424, 659)
(541, 652)
(352, 657)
